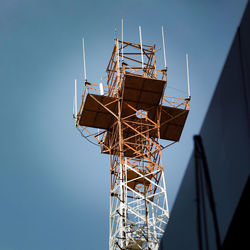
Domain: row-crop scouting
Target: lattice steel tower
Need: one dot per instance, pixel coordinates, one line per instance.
(129, 116)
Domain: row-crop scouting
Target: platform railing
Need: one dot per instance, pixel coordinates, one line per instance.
(176, 102)
(91, 89)
(94, 88)
(147, 72)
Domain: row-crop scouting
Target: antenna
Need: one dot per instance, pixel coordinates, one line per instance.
(122, 40)
(101, 88)
(164, 48)
(189, 95)
(73, 107)
(84, 61)
(142, 63)
(75, 100)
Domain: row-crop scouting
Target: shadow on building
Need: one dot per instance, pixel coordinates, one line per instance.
(212, 208)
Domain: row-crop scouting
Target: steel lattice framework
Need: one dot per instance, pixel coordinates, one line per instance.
(129, 121)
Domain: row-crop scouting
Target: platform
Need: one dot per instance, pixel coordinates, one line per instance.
(139, 93)
(93, 114)
(170, 130)
(172, 123)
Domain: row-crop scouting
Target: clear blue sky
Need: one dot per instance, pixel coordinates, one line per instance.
(54, 186)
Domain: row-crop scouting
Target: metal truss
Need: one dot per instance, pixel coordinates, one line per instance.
(132, 137)
(138, 199)
(138, 215)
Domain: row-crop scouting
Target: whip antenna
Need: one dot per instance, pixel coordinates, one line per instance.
(164, 48)
(142, 63)
(84, 61)
(189, 95)
(75, 100)
(122, 40)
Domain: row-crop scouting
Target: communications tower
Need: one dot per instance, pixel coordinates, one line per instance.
(129, 116)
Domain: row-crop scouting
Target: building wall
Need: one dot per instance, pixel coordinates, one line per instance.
(226, 139)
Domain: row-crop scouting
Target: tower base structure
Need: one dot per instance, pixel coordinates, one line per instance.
(138, 221)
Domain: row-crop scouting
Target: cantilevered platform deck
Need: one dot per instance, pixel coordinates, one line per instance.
(139, 93)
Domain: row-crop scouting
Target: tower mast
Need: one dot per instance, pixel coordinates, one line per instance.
(133, 117)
